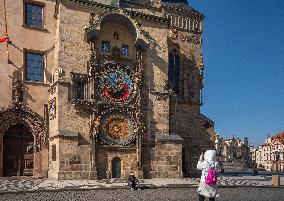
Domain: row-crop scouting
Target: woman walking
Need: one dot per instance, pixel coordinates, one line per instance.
(207, 186)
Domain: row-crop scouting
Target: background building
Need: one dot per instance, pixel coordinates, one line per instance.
(270, 155)
(234, 153)
(99, 89)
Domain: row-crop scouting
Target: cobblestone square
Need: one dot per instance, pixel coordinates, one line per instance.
(161, 194)
(230, 188)
(20, 184)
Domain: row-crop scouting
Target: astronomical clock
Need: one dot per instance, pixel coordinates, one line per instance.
(116, 85)
(117, 129)
(117, 96)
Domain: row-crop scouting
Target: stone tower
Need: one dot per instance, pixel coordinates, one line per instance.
(118, 89)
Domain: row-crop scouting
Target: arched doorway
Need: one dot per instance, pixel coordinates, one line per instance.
(18, 145)
(116, 168)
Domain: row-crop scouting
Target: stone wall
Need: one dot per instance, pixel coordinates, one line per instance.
(197, 132)
(74, 160)
(53, 164)
(167, 161)
(185, 117)
(156, 108)
(72, 55)
(105, 156)
(1, 156)
(74, 51)
(35, 93)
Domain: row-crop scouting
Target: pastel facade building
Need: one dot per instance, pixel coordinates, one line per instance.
(234, 151)
(270, 155)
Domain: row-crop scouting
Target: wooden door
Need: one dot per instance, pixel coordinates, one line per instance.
(18, 151)
(11, 156)
(116, 168)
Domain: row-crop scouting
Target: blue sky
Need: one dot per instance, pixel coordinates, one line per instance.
(243, 47)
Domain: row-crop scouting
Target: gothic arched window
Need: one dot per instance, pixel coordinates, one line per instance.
(174, 70)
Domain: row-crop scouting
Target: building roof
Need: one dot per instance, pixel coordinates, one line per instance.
(226, 143)
(275, 140)
(175, 1)
(279, 135)
(180, 4)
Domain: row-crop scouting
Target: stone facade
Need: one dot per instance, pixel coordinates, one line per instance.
(270, 155)
(234, 153)
(121, 93)
(233, 149)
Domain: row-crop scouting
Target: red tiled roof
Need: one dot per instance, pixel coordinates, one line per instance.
(279, 135)
(281, 140)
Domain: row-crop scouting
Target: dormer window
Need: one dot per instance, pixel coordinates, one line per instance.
(106, 46)
(124, 50)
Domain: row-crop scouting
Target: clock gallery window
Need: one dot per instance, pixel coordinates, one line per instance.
(106, 46)
(124, 50)
(34, 66)
(80, 89)
(34, 15)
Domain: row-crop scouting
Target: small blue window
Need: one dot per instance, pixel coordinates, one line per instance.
(105, 46)
(34, 66)
(124, 50)
(34, 15)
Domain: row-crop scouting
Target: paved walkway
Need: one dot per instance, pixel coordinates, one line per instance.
(160, 194)
(28, 184)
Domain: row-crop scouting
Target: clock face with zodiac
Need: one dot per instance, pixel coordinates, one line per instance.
(117, 129)
(116, 85)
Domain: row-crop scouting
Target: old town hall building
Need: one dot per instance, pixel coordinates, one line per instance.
(94, 89)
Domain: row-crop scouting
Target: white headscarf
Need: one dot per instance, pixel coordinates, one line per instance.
(210, 156)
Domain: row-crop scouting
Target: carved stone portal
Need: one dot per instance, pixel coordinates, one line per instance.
(18, 113)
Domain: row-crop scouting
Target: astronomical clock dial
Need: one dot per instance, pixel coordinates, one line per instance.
(117, 129)
(116, 86)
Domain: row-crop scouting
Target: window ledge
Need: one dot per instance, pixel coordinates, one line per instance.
(42, 29)
(108, 55)
(36, 83)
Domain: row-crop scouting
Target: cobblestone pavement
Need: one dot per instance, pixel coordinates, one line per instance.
(27, 184)
(246, 181)
(160, 194)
